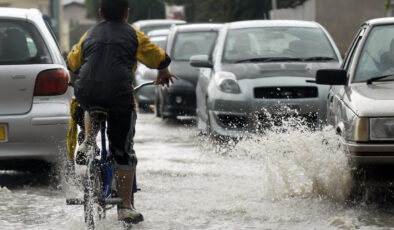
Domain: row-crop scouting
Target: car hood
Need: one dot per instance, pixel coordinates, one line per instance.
(277, 69)
(375, 100)
(184, 71)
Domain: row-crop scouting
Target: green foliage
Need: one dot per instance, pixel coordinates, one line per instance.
(230, 10)
(201, 10)
(139, 9)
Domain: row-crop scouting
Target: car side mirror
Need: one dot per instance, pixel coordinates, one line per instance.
(201, 61)
(331, 77)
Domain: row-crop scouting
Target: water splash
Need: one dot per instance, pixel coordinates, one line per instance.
(294, 161)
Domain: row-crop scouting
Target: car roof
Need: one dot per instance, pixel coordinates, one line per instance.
(380, 21)
(19, 13)
(272, 23)
(151, 22)
(198, 27)
(161, 32)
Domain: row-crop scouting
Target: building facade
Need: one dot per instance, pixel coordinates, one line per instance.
(341, 18)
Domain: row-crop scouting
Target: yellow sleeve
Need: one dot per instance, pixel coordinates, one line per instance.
(74, 58)
(149, 53)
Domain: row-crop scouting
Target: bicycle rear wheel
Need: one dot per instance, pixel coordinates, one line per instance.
(94, 204)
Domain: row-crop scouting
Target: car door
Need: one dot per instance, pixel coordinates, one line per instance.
(205, 75)
(336, 111)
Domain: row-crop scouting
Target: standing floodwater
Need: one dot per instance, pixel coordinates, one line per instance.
(284, 180)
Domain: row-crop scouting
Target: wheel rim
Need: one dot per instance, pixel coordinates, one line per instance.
(94, 208)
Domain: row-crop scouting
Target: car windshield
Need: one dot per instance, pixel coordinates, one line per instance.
(376, 58)
(277, 44)
(20, 43)
(160, 41)
(188, 44)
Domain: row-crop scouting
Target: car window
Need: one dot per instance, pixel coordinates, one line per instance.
(350, 57)
(277, 42)
(20, 43)
(187, 44)
(160, 41)
(377, 55)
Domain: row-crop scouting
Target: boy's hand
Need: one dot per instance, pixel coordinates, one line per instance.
(73, 77)
(164, 77)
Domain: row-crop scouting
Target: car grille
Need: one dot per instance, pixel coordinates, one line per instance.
(232, 121)
(285, 92)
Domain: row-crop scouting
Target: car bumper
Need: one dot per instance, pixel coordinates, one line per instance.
(235, 118)
(146, 95)
(365, 153)
(246, 113)
(40, 134)
(180, 102)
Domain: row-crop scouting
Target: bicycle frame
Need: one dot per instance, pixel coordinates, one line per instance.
(107, 170)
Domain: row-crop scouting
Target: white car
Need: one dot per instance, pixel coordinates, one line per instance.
(34, 92)
(258, 71)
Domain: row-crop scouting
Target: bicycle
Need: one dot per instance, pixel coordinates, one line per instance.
(98, 186)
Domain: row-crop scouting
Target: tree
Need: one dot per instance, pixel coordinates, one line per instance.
(230, 10)
(139, 9)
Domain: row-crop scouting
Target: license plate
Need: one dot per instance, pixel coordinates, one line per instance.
(3, 133)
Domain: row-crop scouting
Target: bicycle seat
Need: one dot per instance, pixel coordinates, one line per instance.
(98, 111)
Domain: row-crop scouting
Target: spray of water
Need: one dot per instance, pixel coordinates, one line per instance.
(294, 160)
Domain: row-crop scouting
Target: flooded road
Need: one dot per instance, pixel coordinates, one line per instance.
(284, 180)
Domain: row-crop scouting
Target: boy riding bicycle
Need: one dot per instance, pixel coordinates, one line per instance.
(101, 67)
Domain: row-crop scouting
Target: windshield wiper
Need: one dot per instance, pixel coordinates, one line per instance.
(369, 81)
(318, 58)
(269, 59)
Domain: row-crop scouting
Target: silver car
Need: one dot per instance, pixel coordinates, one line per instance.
(258, 73)
(34, 93)
(146, 96)
(361, 101)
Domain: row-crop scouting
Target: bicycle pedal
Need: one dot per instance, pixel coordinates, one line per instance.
(115, 200)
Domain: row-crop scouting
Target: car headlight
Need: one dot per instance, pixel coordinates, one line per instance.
(227, 82)
(361, 129)
(382, 128)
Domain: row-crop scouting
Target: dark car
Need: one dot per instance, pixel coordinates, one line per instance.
(183, 42)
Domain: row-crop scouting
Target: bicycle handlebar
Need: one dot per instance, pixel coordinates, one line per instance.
(137, 88)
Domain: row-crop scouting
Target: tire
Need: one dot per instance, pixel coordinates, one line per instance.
(144, 107)
(208, 129)
(94, 206)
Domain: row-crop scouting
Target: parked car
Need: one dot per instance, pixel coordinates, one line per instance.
(34, 93)
(146, 96)
(258, 73)
(183, 42)
(155, 24)
(361, 101)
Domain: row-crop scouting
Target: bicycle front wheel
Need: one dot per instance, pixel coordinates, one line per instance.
(94, 204)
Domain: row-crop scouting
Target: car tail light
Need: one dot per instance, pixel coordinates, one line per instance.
(51, 82)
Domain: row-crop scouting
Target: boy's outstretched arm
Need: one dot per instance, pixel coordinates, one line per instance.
(154, 57)
(164, 77)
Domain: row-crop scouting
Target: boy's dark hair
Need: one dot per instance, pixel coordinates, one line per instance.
(113, 10)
